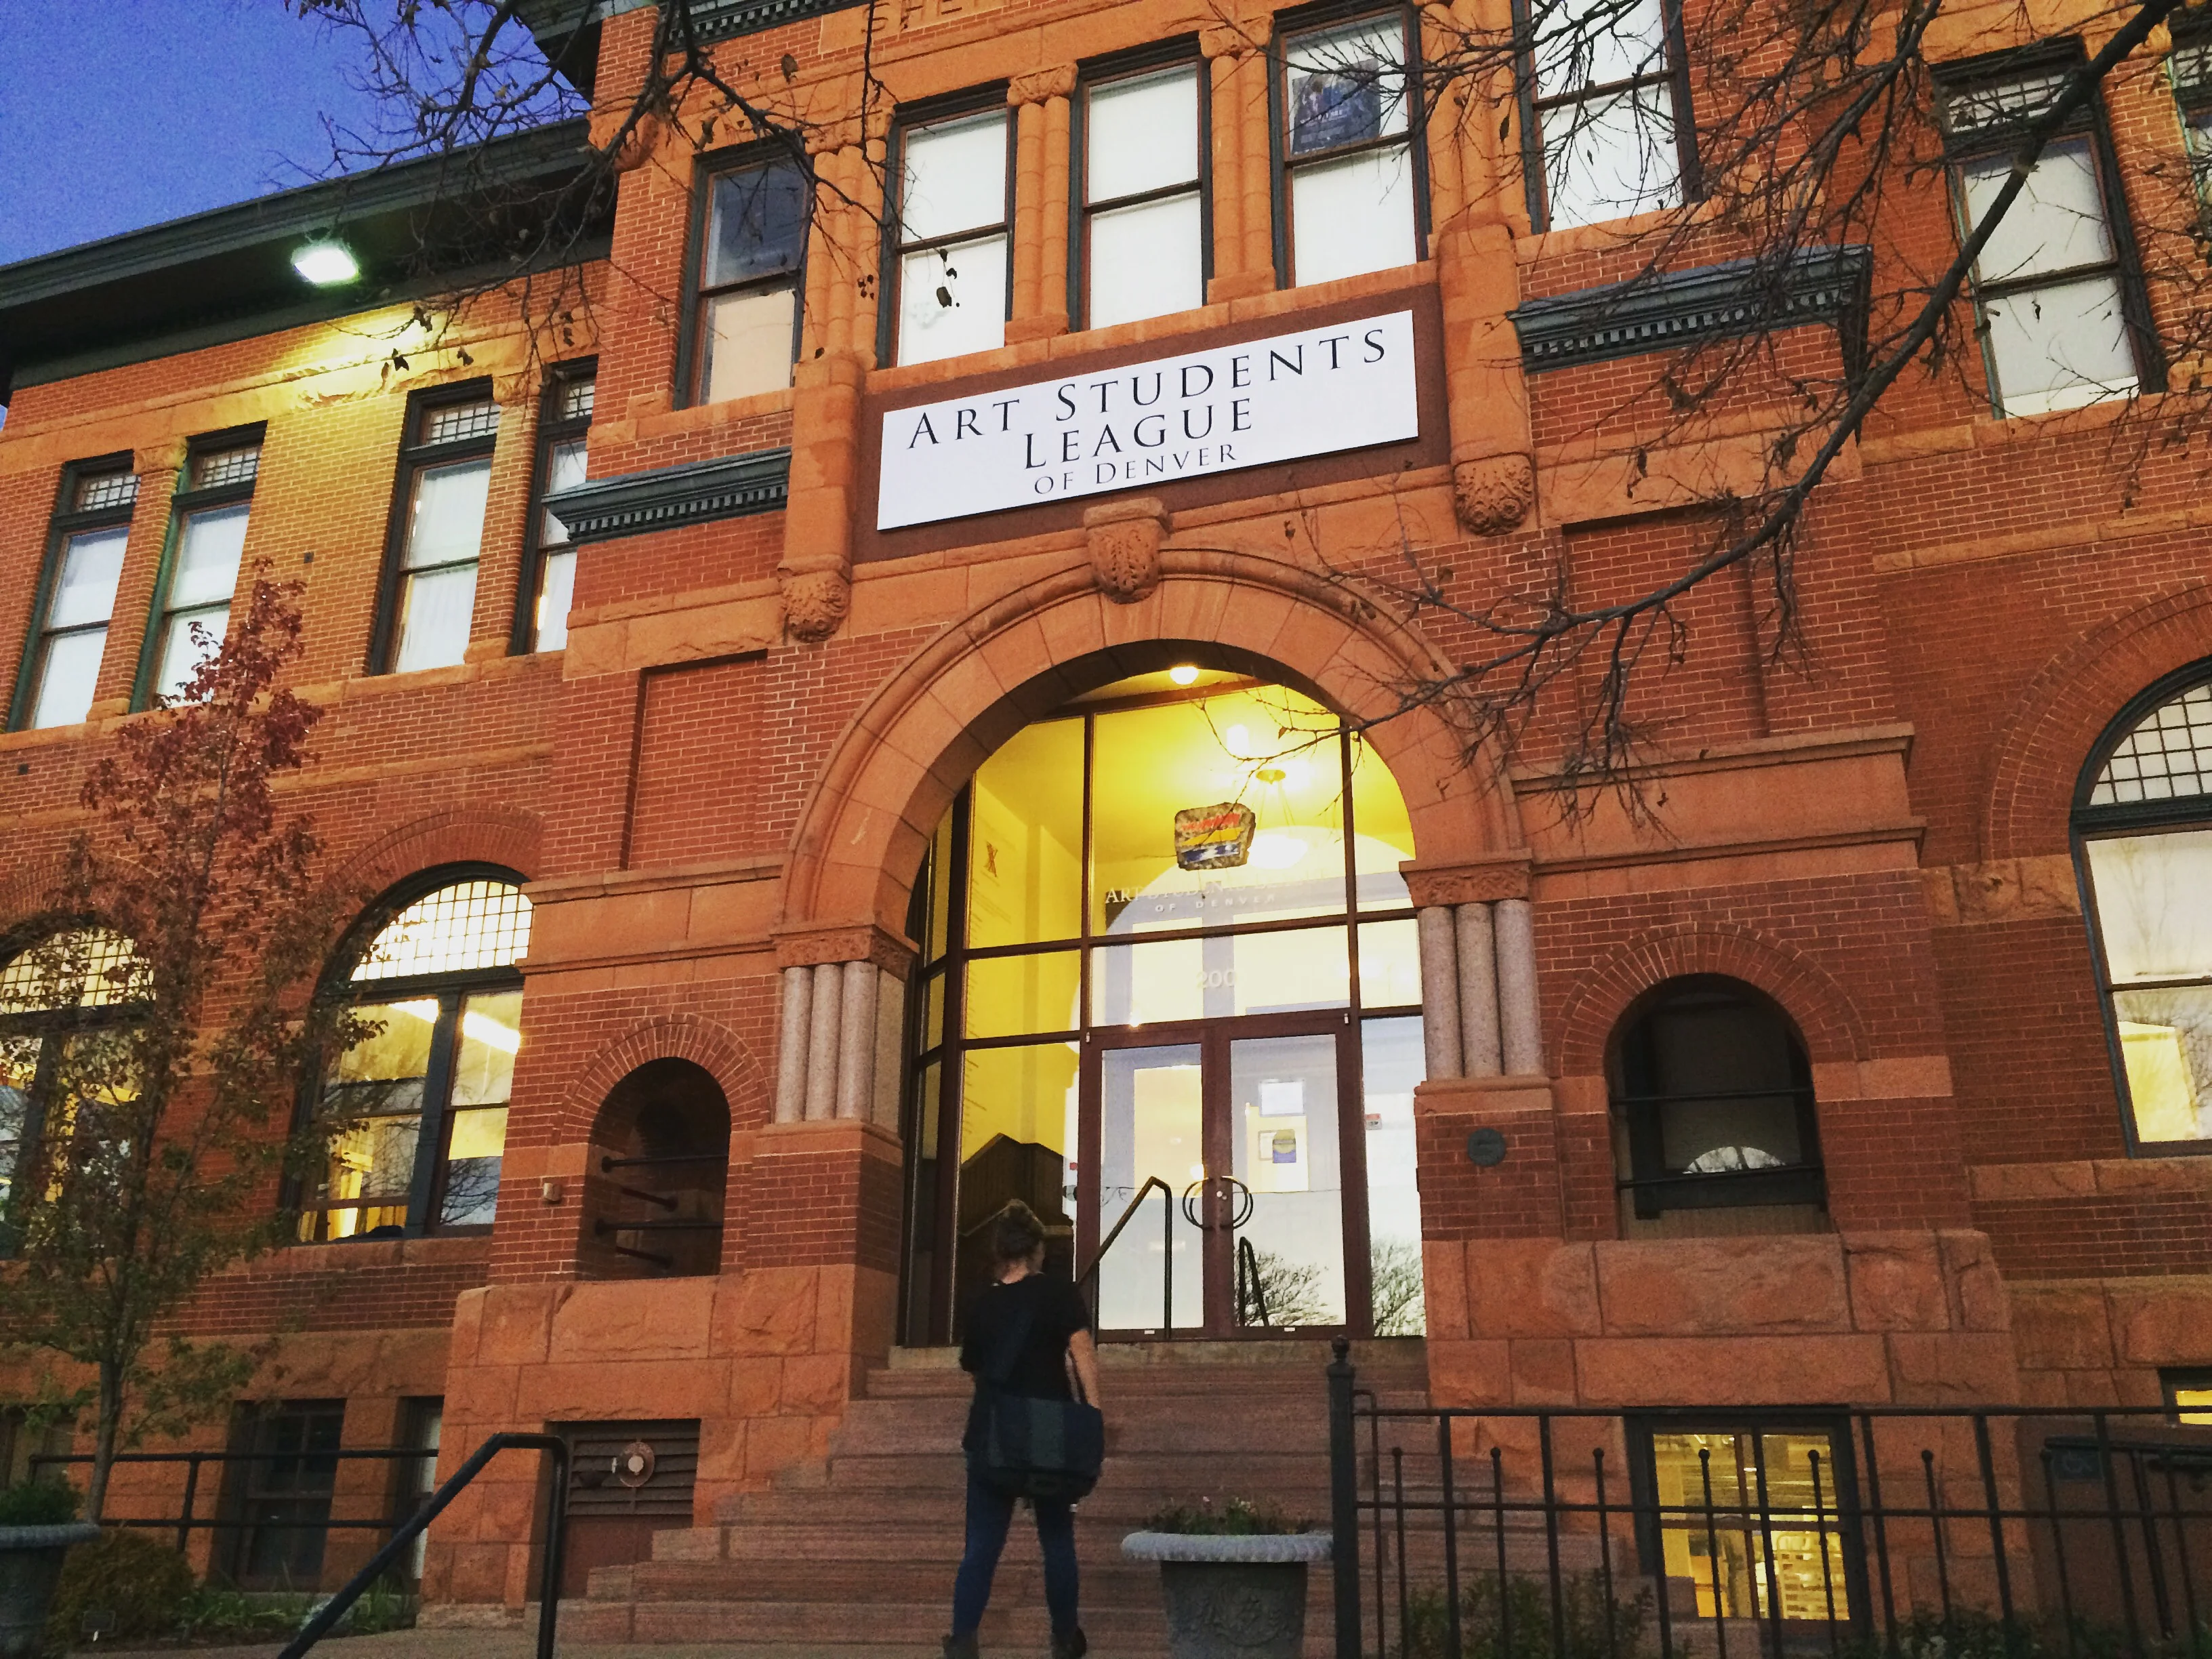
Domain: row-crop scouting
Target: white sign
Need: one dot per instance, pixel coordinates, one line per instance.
(1342, 386)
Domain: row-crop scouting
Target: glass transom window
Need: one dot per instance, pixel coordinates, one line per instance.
(2144, 824)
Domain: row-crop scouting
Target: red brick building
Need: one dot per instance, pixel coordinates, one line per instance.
(787, 845)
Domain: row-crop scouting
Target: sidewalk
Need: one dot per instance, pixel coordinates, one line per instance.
(522, 1644)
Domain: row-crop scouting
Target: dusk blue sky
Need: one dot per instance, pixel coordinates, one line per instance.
(165, 107)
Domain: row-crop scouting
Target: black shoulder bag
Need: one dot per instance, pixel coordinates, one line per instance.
(1047, 1448)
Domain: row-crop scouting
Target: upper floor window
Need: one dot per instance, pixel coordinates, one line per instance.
(2143, 822)
(1603, 134)
(61, 1002)
(1712, 1100)
(2064, 321)
(1351, 182)
(207, 542)
(421, 1103)
(77, 593)
(437, 533)
(549, 578)
(751, 245)
(1144, 219)
(2189, 66)
(955, 204)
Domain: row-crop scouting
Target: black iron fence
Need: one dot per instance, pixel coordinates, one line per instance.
(1660, 1534)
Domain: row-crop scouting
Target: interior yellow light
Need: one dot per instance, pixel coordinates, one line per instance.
(425, 1009)
(489, 1032)
(1183, 674)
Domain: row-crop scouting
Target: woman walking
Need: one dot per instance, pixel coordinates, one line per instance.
(1026, 1330)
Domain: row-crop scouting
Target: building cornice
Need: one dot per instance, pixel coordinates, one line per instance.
(693, 493)
(1671, 308)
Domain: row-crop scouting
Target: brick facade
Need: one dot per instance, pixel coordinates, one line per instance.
(1875, 836)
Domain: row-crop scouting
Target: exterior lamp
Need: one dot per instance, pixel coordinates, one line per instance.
(327, 262)
(1183, 674)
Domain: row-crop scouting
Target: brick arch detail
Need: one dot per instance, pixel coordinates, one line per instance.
(2058, 717)
(894, 770)
(26, 890)
(707, 1043)
(466, 835)
(1806, 992)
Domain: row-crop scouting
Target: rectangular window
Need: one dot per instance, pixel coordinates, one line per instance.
(84, 562)
(445, 480)
(1353, 179)
(2061, 310)
(1747, 1520)
(280, 1493)
(751, 245)
(1600, 133)
(549, 563)
(2153, 904)
(1144, 209)
(208, 541)
(2189, 66)
(955, 201)
(2187, 1395)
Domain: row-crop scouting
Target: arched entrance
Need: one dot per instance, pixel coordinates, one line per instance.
(1166, 943)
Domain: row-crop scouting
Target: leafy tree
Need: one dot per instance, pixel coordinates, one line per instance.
(181, 939)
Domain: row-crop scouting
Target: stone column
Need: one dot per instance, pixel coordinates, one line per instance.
(815, 572)
(1041, 163)
(844, 1011)
(824, 1040)
(791, 1044)
(1520, 1025)
(1480, 1053)
(1440, 1013)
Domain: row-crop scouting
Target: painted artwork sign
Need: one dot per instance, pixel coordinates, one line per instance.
(1344, 385)
(1214, 837)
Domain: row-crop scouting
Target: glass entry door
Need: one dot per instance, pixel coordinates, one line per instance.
(1241, 1122)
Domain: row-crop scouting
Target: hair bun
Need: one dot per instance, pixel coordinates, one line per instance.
(1018, 1233)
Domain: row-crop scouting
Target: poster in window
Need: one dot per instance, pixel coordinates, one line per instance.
(1218, 838)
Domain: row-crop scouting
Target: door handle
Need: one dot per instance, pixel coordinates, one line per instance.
(1242, 1202)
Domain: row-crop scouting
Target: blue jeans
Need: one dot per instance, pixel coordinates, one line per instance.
(989, 1515)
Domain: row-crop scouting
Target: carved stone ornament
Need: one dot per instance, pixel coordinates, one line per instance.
(814, 603)
(1494, 495)
(1057, 82)
(1125, 548)
(642, 140)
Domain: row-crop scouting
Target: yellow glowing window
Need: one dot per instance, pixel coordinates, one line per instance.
(91, 967)
(1714, 1532)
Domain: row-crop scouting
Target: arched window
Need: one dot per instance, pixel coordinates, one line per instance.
(1712, 1102)
(660, 1160)
(422, 1099)
(2143, 834)
(62, 1000)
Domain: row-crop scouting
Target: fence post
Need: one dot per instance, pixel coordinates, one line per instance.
(1344, 1500)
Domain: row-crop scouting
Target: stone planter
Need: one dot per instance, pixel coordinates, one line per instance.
(1232, 1598)
(30, 1565)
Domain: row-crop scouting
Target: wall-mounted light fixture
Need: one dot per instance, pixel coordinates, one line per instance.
(327, 262)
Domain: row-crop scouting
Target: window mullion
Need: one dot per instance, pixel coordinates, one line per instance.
(437, 1091)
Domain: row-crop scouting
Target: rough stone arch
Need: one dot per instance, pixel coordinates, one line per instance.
(709, 1044)
(2062, 711)
(466, 835)
(1804, 990)
(906, 752)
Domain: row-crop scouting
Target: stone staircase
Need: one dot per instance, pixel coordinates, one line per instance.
(858, 1550)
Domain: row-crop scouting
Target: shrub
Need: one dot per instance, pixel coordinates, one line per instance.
(129, 1584)
(1237, 1517)
(1517, 1624)
(37, 1503)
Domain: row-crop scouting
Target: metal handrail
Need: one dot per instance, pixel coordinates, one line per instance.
(1090, 1274)
(335, 1608)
